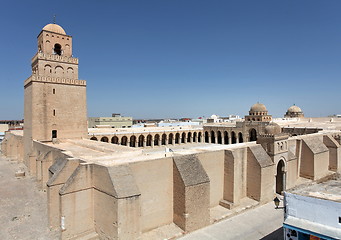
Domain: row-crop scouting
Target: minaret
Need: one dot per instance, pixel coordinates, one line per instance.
(55, 99)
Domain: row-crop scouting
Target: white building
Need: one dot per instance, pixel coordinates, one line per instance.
(313, 211)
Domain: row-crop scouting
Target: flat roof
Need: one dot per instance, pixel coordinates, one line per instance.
(108, 154)
(327, 190)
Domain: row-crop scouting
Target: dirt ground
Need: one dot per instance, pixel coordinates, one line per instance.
(23, 206)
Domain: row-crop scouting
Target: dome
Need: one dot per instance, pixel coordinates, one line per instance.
(294, 109)
(54, 28)
(258, 107)
(273, 128)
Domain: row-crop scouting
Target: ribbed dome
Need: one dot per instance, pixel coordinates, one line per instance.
(258, 107)
(273, 128)
(294, 109)
(54, 28)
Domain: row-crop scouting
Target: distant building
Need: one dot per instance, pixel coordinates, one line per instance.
(13, 124)
(115, 121)
(258, 113)
(294, 112)
(3, 129)
(313, 211)
(217, 119)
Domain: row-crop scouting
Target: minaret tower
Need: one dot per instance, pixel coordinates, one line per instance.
(55, 99)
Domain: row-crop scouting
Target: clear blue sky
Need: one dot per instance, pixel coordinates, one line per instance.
(182, 58)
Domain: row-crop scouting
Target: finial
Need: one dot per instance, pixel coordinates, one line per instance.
(54, 19)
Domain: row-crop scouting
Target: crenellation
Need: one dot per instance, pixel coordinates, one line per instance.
(57, 80)
(53, 57)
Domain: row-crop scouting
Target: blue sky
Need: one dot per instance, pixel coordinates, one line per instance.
(172, 58)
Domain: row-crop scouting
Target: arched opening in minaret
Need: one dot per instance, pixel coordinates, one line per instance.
(58, 49)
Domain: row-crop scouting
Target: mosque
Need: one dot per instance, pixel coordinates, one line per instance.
(126, 183)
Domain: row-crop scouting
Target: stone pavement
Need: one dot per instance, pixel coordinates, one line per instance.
(264, 222)
(22, 206)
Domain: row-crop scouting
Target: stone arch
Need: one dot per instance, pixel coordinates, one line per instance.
(104, 139)
(189, 137)
(58, 49)
(141, 140)
(124, 141)
(93, 138)
(149, 140)
(195, 137)
(170, 138)
(132, 141)
(280, 176)
(199, 136)
(114, 140)
(213, 137)
(233, 137)
(183, 137)
(219, 138)
(48, 45)
(207, 137)
(164, 139)
(67, 49)
(226, 137)
(177, 138)
(156, 139)
(253, 134)
(240, 137)
(47, 69)
(59, 70)
(69, 72)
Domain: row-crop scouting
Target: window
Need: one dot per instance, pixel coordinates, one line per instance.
(54, 91)
(58, 49)
(54, 133)
(54, 112)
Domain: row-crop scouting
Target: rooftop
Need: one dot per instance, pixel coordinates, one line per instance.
(111, 154)
(327, 190)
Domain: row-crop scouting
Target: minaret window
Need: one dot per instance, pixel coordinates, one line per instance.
(58, 49)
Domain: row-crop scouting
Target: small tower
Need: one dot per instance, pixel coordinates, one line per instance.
(275, 143)
(55, 99)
